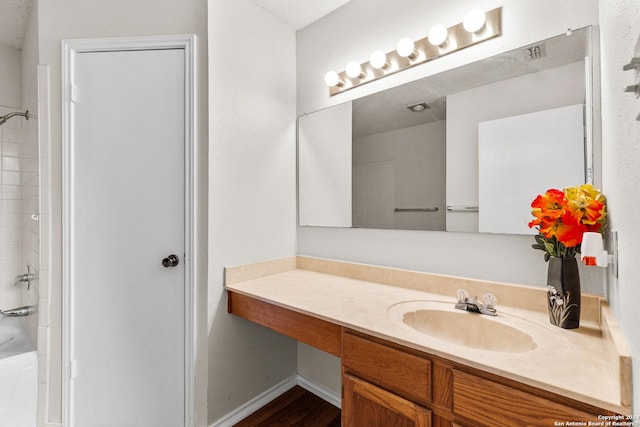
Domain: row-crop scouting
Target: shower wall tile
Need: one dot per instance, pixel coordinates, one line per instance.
(9, 206)
(10, 178)
(10, 134)
(8, 249)
(10, 163)
(10, 149)
(11, 221)
(8, 234)
(10, 192)
(11, 212)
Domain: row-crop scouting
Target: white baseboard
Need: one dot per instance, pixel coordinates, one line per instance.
(256, 403)
(319, 390)
(259, 401)
(53, 424)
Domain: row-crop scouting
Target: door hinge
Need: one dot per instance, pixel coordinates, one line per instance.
(73, 92)
(73, 369)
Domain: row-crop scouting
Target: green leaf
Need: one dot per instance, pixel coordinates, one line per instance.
(547, 257)
(550, 248)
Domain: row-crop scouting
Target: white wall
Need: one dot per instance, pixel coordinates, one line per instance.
(620, 29)
(352, 33)
(11, 81)
(320, 367)
(96, 18)
(252, 181)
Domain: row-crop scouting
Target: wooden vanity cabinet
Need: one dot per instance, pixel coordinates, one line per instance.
(385, 384)
(389, 385)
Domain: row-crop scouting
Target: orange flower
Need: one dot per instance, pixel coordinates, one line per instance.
(548, 207)
(562, 217)
(569, 230)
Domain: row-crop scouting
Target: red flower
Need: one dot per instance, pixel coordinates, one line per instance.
(562, 217)
(547, 209)
(569, 230)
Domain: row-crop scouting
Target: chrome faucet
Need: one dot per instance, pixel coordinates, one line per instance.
(486, 305)
(18, 312)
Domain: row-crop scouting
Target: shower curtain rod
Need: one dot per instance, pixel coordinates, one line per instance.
(3, 119)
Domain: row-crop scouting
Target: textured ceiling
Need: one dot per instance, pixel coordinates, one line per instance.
(299, 13)
(295, 13)
(13, 21)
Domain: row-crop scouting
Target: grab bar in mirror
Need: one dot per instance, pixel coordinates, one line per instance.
(434, 209)
(456, 208)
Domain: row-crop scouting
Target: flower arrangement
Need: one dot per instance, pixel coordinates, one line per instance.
(562, 216)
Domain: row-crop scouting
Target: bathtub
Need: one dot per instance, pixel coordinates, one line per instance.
(18, 375)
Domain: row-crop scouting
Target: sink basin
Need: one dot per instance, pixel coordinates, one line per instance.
(440, 321)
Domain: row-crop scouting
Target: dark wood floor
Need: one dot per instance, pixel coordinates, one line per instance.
(296, 407)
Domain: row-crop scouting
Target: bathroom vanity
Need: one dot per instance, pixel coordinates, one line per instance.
(399, 369)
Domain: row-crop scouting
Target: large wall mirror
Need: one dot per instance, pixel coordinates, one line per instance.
(464, 150)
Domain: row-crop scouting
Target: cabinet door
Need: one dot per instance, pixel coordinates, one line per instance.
(366, 405)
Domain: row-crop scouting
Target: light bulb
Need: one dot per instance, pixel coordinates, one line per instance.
(406, 48)
(332, 79)
(474, 20)
(354, 70)
(438, 35)
(378, 59)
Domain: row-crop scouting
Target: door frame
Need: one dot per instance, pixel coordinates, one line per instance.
(71, 47)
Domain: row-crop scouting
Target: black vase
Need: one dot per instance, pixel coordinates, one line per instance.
(563, 285)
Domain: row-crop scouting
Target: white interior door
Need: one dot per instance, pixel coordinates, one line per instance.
(127, 213)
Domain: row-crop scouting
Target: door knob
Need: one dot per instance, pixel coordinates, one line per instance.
(170, 261)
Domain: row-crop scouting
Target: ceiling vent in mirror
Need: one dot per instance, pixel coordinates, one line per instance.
(419, 107)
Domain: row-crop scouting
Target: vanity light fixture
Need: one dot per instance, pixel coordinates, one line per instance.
(438, 35)
(592, 252)
(477, 27)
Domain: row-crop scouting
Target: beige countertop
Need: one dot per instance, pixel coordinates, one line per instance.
(591, 364)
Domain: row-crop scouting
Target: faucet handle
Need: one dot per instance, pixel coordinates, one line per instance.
(489, 300)
(462, 296)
